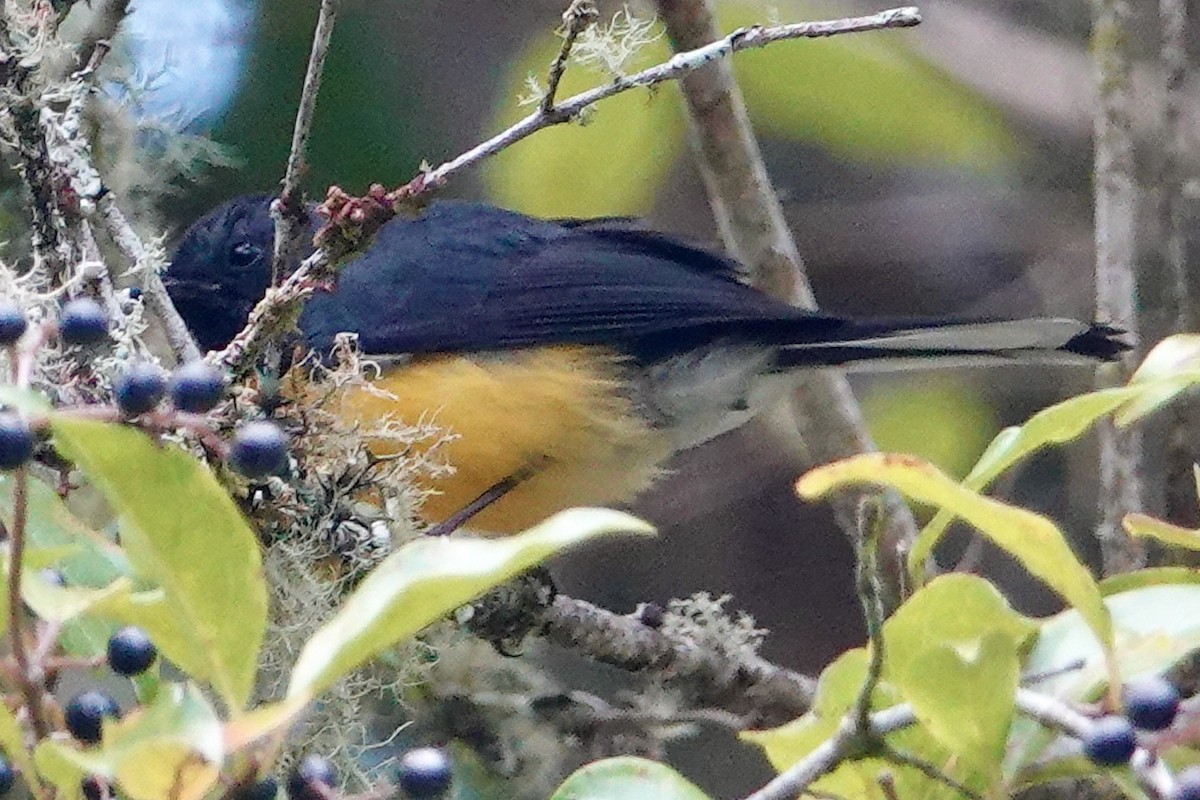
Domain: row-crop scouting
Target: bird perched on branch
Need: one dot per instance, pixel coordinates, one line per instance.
(571, 358)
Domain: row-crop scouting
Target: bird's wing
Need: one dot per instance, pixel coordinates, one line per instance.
(468, 277)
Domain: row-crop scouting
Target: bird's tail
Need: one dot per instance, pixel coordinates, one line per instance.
(897, 343)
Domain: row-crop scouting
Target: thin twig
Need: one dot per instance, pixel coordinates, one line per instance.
(673, 69)
(750, 217)
(367, 215)
(576, 19)
(1116, 280)
(755, 690)
(845, 743)
(866, 585)
(27, 680)
(291, 217)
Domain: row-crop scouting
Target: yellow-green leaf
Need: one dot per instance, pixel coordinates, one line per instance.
(628, 778)
(12, 742)
(1030, 538)
(965, 696)
(427, 579)
(182, 531)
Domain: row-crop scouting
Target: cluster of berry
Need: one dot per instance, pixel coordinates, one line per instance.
(258, 449)
(1151, 704)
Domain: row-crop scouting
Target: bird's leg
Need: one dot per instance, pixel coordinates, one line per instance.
(489, 496)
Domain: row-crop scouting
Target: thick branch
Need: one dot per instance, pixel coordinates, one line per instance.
(752, 225)
(1116, 281)
(761, 693)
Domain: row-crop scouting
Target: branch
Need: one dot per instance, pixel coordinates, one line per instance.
(756, 691)
(576, 19)
(353, 221)
(1172, 218)
(291, 217)
(1116, 279)
(745, 204)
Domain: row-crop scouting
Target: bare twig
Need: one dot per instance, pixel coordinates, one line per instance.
(367, 215)
(673, 69)
(756, 691)
(291, 217)
(748, 212)
(845, 743)
(576, 19)
(1116, 281)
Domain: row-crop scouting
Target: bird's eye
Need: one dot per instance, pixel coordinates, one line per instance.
(243, 254)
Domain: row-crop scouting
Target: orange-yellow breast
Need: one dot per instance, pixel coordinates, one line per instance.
(563, 410)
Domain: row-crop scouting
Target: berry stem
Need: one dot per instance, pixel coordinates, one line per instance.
(27, 680)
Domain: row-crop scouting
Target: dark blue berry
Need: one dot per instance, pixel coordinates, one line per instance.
(130, 651)
(1151, 703)
(94, 787)
(263, 789)
(82, 321)
(652, 615)
(85, 715)
(196, 387)
(8, 775)
(17, 440)
(1187, 785)
(12, 323)
(259, 449)
(305, 775)
(139, 388)
(135, 293)
(1111, 741)
(424, 773)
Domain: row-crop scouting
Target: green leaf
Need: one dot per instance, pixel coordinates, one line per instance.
(867, 98)
(171, 748)
(1156, 626)
(12, 742)
(427, 579)
(24, 400)
(1054, 425)
(1169, 369)
(182, 531)
(627, 778)
(837, 691)
(954, 610)
(64, 765)
(612, 165)
(1030, 538)
(966, 697)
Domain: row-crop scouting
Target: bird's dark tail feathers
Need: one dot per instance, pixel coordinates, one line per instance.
(893, 344)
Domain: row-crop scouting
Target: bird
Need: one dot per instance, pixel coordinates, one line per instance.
(570, 358)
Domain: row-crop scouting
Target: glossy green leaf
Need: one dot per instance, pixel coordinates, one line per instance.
(627, 778)
(171, 748)
(1155, 627)
(612, 165)
(837, 691)
(965, 696)
(1169, 369)
(1030, 538)
(867, 97)
(427, 579)
(182, 531)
